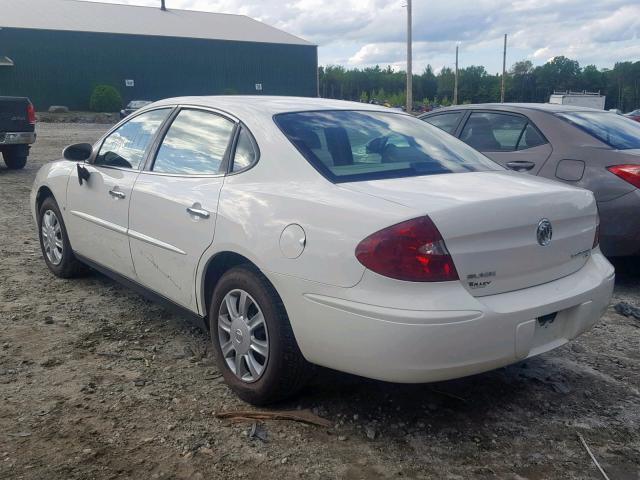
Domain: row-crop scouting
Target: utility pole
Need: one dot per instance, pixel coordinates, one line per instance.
(455, 81)
(504, 68)
(409, 70)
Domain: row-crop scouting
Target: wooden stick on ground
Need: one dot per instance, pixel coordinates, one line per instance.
(304, 416)
(604, 475)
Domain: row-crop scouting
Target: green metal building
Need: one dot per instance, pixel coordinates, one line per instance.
(56, 51)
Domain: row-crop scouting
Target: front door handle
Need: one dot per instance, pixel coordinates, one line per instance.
(114, 192)
(197, 210)
(521, 165)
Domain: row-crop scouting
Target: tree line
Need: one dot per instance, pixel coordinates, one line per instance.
(523, 83)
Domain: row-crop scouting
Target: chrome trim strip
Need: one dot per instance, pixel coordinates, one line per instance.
(182, 175)
(98, 221)
(144, 238)
(132, 233)
(222, 113)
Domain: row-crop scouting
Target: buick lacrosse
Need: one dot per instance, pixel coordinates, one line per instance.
(307, 231)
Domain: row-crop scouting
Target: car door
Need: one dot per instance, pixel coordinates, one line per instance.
(509, 139)
(99, 206)
(174, 204)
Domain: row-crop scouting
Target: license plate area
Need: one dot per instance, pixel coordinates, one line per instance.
(546, 320)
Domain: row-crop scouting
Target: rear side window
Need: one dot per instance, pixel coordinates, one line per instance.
(127, 146)
(530, 138)
(445, 121)
(195, 143)
(349, 146)
(245, 154)
(616, 131)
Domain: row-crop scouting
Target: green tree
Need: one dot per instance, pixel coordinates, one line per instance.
(560, 73)
(105, 98)
(446, 80)
(524, 83)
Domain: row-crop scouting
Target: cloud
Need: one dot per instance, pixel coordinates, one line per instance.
(368, 32)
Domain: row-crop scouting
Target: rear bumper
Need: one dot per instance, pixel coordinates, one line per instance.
(17, 138)
(620, 225)
(439, 331)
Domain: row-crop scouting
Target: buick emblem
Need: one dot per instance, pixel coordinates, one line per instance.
(544, 232)
(239, 336)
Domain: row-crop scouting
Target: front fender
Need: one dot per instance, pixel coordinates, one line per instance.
(53, 176)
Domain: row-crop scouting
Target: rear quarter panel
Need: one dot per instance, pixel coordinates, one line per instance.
(571, 143)
(252, 215)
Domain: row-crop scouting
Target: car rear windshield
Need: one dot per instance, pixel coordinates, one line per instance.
(615, 130)
(347, 146)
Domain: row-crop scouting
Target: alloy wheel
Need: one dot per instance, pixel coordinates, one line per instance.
(243, 335)
(52, 237)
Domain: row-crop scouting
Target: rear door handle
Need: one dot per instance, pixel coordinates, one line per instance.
(521, 165)
(197, 210)
(114, 192)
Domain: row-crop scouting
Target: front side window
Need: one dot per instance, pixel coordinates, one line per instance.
(245, 154)
(445, 121)
(493, 132)
(195, 143)
(615, 130)
(349, 146)
(127, 146)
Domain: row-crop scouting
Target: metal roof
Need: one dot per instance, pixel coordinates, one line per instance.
(82, 16)
(545, 107)
(244, 106)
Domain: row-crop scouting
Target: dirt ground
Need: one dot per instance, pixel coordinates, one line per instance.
(96, 382)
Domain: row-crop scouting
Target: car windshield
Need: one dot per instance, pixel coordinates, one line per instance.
(615, 130)
(347, 146)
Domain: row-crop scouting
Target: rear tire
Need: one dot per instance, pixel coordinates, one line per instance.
(282, 370)
(14, 158)
(54, 242)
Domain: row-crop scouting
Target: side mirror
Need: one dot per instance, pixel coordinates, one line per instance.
(80, 152)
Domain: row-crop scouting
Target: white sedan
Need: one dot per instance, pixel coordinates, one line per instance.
(307, 231)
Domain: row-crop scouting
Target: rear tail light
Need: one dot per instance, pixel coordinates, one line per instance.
(413, 250)
(596, 237)
(629, 173)
(31, 114)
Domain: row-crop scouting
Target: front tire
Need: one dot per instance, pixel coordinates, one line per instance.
(253, 340)
(54, 242)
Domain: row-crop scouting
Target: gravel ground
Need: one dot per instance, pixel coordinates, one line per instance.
(96, 382)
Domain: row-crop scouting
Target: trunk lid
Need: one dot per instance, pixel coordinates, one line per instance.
(13, 115)
(490, 223)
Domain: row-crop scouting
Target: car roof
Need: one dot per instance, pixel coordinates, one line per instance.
(265, 105)
(519, 107)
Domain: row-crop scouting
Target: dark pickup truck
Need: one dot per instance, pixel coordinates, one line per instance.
(17, 130)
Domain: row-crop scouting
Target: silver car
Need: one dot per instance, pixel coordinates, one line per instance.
(588, 148)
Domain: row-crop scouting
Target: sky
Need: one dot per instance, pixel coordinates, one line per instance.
(362, 33)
